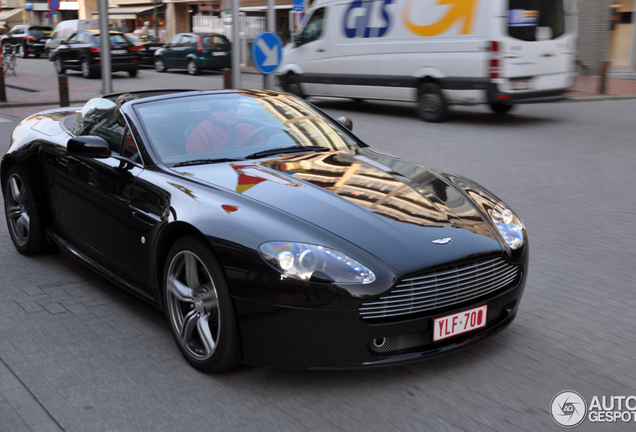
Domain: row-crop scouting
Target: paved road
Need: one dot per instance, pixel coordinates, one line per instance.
(78, 354)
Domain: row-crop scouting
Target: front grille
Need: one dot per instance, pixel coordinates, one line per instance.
(441, 288)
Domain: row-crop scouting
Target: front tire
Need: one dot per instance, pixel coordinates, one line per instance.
(23, 221)
(160, 66)
(431, 105)
(199, 308)
(193, 69)
(291, 85)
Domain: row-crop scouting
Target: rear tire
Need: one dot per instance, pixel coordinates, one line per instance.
(501, 109)
(199, 308)
(23, 221)
(133, 72)
(86, 69)
(193, 69)
(58, 65)
(431, 105)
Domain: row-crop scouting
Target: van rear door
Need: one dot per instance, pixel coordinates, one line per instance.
(537, 45)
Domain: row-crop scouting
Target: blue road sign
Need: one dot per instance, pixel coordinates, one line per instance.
(267, 52)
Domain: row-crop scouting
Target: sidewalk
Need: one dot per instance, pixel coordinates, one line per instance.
(28, 93)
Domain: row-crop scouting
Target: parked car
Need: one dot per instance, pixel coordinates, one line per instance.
(149, 44)
(82, 52)
(29, 39)
(289, 243)
(64, 30)
(194, 52)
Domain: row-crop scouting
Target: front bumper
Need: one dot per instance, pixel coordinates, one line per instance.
(298, 338)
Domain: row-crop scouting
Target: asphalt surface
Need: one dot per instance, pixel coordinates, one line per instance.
(79, 354)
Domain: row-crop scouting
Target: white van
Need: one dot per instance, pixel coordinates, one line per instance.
(435, 52)
(64, 29)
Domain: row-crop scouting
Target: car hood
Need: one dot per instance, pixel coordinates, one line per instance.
(394, 209)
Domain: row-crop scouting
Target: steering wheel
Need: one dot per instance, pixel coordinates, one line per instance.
(262, 130)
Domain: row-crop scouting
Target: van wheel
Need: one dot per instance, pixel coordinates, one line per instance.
(500, 109)
(431, 105)
(291, 85)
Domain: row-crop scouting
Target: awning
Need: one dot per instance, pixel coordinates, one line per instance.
(131, 12)
(6, 15)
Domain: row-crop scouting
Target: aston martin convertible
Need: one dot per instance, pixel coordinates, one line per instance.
(267, 232)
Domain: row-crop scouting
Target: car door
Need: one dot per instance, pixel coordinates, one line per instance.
(187, 45)
(170, 51)
(68, 52)
(94, 196)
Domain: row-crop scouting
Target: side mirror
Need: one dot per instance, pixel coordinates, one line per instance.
(89, 146)
(346, 122)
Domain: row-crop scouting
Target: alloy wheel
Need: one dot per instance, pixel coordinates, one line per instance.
(193, 305)
(16, 203)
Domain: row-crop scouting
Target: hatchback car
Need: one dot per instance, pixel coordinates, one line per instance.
(194, 52)
(82, 52)
(27, 39)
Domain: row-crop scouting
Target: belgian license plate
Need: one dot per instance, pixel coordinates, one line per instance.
(462, 322)
(520, 85)
(118, 51)
(218, 53)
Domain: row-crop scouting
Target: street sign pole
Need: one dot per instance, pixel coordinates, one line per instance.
(236, 44)
(107, 82)
(268, 80)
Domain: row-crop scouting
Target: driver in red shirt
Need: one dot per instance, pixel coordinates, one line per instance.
(223, 129)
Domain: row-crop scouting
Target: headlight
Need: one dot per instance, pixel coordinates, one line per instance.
(509, 225)
(303, 261)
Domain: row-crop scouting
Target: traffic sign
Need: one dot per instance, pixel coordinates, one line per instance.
(267, 52)
(54, 5)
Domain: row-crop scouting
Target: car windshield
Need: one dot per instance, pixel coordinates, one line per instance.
(216, 127)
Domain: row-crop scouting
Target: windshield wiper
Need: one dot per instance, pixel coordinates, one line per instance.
(205, 161)
(292, 149)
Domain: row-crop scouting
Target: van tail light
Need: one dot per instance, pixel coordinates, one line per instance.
(200, 44)
(31, 38)
(96, 50)
(495, 56)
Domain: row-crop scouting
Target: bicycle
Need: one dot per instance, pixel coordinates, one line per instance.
(9, 58)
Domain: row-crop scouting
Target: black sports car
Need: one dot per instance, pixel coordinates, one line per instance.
(267, 232)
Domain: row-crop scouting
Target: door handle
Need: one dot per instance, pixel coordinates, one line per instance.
(321, 50)
(63, 161)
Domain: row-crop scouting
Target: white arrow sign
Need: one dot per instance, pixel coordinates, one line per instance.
(271, 53)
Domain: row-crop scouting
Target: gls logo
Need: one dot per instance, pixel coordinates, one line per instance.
(358, 17)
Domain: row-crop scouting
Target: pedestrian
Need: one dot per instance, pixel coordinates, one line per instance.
(145, 30)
